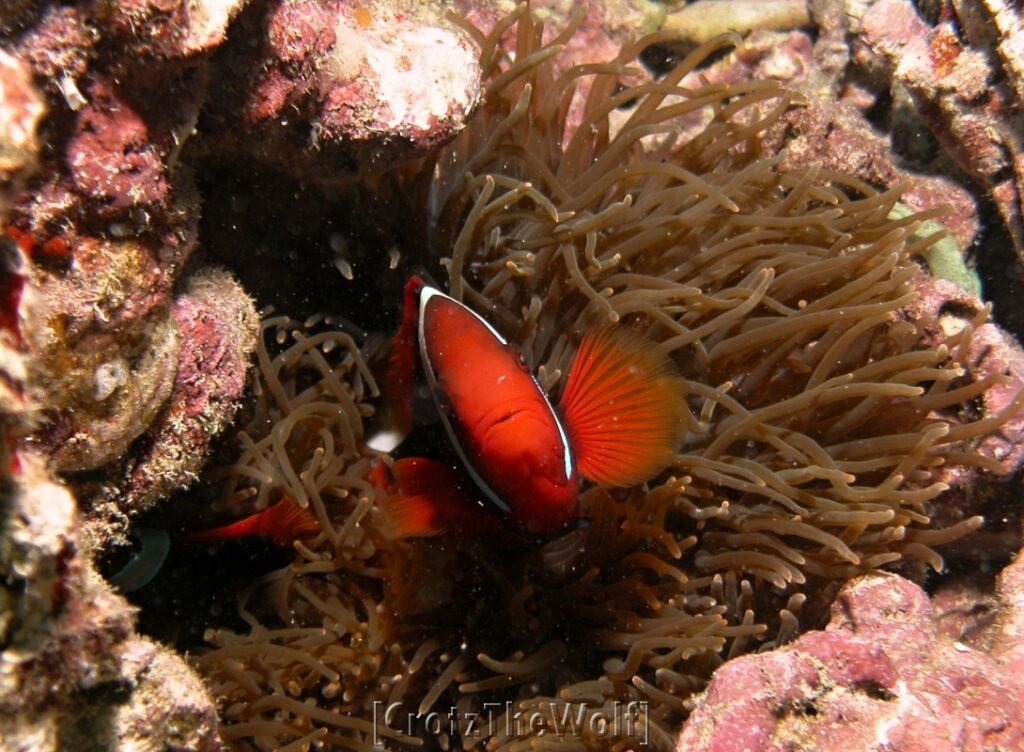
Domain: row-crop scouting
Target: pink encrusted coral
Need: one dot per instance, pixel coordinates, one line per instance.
(71, 640)
(113, 158)
(880, 676)
(941, 309)
(335, 86)
(217, 325)
(168, 28)
(967, 88)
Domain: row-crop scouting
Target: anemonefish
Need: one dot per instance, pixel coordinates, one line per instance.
(282, 523)
(620, 417)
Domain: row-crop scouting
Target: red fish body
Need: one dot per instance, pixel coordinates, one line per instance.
(619, 419)
(501, 422)
(621, 415)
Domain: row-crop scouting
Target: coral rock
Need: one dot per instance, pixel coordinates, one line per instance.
(72, 673)
(701, 21)
(1008, 637)
(836, 135)
(120, 154)
(59, 624)
(966, 96)
(880, 676)
(168, 28)
(58, 48)
(994, 355)
(339, 87)
(20, 112)
(167, 707)
(104, 351)
(218, 326)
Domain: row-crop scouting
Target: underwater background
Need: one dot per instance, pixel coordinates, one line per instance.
(810, 211)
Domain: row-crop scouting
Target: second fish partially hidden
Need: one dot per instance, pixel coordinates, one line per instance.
(621, 416)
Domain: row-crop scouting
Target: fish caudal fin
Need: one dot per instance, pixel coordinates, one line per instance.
(286, 521)
(282, 523)
(623, 406)
(424, 498)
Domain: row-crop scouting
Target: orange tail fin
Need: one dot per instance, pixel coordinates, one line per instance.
(286, 521)
(424, 498)
(623, 407)
(282, 523)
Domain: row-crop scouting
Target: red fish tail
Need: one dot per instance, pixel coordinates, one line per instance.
(623, 407)
(282, 523)
(242, 528)
(286, 522)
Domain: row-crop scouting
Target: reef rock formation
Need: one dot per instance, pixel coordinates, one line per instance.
(20, 111)
(880, 676)
(339, 88)
(70, 668)
(965, 78)
(217, 329)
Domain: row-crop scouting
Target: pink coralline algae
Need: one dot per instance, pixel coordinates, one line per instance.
(943, 308)
(167, 29)
(341, 87)
(113, 159)
(831, 127)
(217, 327)
(965, 77)
(879, 677)
(836, 135)
(1007, 635)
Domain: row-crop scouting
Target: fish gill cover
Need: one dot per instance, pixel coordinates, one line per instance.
(819, 422)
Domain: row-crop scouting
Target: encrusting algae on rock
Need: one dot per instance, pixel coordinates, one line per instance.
(817, 420)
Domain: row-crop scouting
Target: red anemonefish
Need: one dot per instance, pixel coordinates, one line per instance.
(620, 417)
(281, 523)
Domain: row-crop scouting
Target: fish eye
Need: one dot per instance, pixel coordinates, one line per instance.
(443, 401)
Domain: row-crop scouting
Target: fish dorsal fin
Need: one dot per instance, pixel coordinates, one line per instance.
(623, 407)
(393, 421)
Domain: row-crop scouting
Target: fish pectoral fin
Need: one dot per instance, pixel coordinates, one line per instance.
(417, 505)
(623, 407)
(425, 499)
(283, 523)
(412, 517)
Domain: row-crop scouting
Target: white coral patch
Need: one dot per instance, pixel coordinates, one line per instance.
(422, 74)
(426, 74)
(110, 377)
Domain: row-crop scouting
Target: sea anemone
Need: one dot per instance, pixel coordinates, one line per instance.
(816, 422)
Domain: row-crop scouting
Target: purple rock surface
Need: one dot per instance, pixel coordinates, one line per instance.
(880, 676)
